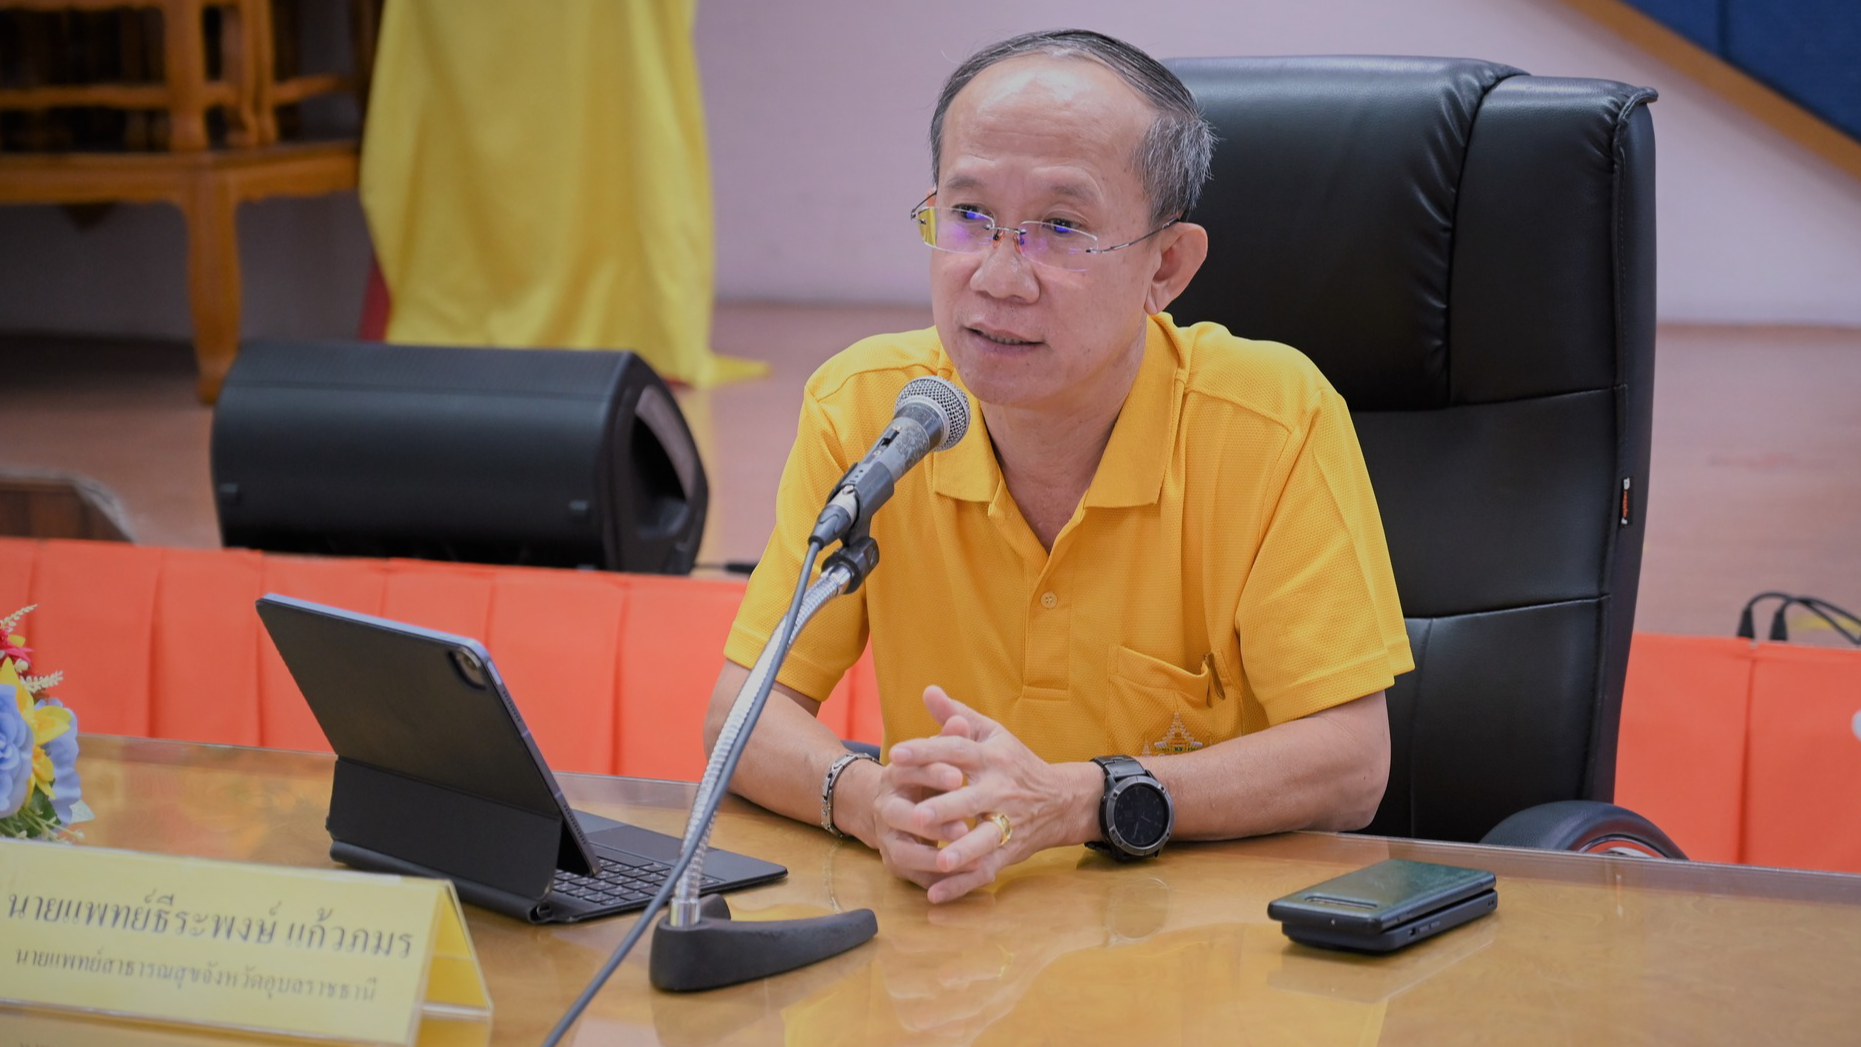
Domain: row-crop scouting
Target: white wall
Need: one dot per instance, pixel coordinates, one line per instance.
(818, 114)
(818, 110)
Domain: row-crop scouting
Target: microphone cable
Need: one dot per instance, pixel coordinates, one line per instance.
(1747, 628)
(1780, 630)
(709, 812)
(1821, 609)
(1824, 608)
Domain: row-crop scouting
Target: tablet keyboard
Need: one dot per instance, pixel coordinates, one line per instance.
(624, 880)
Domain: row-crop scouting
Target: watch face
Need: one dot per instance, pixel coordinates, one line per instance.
(1141, 816)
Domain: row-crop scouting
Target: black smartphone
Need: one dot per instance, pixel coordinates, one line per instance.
(1383, 907)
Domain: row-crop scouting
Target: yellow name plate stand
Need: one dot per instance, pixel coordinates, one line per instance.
(299, 952)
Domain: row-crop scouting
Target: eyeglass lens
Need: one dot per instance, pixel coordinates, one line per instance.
(965, 230)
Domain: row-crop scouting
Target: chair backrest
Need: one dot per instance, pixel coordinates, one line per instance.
(1467, 252)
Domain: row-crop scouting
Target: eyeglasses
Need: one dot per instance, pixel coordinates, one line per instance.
(966, 230)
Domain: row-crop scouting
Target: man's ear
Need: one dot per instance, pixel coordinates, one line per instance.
(1184, 249)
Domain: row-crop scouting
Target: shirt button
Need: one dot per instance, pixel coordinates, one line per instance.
(1049, 601)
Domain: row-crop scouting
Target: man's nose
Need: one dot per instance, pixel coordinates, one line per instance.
(1005, 270)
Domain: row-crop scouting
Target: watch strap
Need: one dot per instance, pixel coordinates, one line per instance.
(1118, 768)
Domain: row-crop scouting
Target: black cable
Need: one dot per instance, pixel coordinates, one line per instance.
(1820, 608)
(1746, 628)
(1780, 630)
(782, 639)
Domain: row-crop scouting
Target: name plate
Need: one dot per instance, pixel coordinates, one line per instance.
(301, 952)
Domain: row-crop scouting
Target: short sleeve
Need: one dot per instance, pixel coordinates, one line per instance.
(1319, 623)
(833, 640)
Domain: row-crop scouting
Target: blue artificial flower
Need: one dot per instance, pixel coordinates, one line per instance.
(16, 744)
(63, 750)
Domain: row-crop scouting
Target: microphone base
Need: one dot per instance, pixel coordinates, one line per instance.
(716, 951)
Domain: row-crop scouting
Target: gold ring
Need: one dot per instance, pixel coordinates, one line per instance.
(1002, 823)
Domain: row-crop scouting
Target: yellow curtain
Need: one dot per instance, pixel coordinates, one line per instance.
(535, 175)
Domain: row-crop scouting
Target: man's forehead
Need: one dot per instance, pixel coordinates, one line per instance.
(1064, 185)
(1069, 82)
(1079, 106)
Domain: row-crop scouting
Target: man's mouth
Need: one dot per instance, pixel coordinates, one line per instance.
(1002, 338)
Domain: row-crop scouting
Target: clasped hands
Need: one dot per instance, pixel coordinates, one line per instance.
(945, 790)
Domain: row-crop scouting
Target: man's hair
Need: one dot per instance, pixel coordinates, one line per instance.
(1174, 155)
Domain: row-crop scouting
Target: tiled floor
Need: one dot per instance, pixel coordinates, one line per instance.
(1756, 481)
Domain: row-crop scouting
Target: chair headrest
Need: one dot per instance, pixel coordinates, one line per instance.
(1340, 203)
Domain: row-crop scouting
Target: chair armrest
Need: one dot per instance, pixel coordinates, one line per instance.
(1588, 826)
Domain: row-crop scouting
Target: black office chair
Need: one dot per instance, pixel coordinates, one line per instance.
(1467, 252)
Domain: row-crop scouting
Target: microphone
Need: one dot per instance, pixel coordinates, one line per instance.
(932, 415)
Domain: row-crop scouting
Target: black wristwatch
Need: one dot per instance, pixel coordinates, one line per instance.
(1136, 815)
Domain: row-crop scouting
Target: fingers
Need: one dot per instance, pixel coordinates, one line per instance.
(909, 855)
(912, 871)
(971, 861)
(942, 832)
(910, 850)
(898, 818)
(902, 788)
(940, 704)
(920, 777)
(973, 847)
(942, 707)
(958, 722)
(967, 804)
(944, 748)
(931, 794)
(982, 874)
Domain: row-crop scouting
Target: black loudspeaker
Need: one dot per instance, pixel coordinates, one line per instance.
(545, 457)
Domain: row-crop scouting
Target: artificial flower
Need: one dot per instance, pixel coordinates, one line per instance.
(49, 723)
(40, 792)
(16, 753)
(65, 788)
(13, 649)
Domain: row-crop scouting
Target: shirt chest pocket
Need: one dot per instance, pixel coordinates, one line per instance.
(1158, 707)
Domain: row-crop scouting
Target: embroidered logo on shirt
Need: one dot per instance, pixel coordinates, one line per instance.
(1177, 739)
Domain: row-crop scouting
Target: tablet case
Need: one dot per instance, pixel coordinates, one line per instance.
(436, 773)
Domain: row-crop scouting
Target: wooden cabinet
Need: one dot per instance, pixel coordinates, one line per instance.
(178, 102)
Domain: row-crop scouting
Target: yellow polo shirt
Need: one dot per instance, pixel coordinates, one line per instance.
(1225, 571)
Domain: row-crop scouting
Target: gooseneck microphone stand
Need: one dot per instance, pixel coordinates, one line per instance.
(698, 946)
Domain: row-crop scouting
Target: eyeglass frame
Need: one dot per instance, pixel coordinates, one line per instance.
(1021, 235)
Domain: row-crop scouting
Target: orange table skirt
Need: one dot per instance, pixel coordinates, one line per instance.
(1744, 753)
(612, 671)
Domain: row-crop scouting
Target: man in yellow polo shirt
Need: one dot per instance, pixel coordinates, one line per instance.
(1148, 595)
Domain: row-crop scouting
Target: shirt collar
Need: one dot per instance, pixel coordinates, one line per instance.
(1131, 471)
(968, 471)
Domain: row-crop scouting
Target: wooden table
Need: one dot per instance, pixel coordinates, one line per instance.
(1070, 948)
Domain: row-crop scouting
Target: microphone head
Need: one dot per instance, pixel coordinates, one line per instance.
(945, 400)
